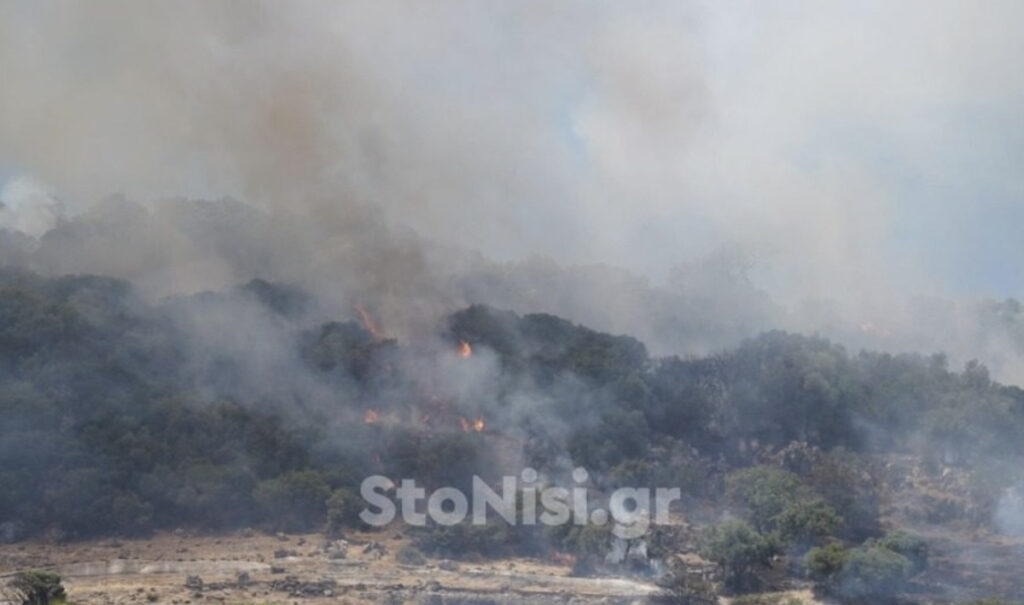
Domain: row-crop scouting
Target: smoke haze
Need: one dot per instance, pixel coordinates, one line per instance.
(695, 172)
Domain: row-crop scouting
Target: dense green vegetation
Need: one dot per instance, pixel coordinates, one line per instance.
(242, 408)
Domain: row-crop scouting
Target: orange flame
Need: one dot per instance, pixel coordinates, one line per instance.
(477, 426)
(371, 417)
(369, 324)
(465, 349)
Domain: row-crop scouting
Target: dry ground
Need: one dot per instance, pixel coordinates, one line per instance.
(298, 569)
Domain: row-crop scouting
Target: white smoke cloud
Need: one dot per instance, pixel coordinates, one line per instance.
(28, 207)
(849, 148)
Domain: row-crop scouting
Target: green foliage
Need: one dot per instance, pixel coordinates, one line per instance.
(778, 501)
(807, 520)
(37, 588)
(343, 507)
(765, 492)
(823, 563)
(738, 549)
(846, 483)
(296, 500)
(122, 416)
(872, 572)
(463, 540)
(914, 548)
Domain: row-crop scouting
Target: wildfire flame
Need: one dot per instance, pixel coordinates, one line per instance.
(465, 349)
(369, 324)
(371, 417)
(476, 426)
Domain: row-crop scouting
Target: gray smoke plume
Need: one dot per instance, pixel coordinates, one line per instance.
(695, 172)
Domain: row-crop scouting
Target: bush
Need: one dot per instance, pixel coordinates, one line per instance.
(914, 548)
(679, 588)
(738, 549)
(295, 501)
(764, 492)
(410, 555)
(823, 563)
(808, 520)
(872, 572)
(777, 501)
(36, 588)
(465, 539)
(343, 507)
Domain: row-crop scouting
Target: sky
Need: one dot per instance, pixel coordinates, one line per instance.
(855, 149)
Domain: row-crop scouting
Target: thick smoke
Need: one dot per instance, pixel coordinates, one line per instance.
(696, 172)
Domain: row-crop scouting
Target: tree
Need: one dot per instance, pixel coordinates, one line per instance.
(738, 549)
(807, 520)
(764, 492)
(824, 562)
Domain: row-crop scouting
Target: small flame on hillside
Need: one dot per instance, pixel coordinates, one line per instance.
(475, 426)
(371, 417)
(369, 324)
(465, 349)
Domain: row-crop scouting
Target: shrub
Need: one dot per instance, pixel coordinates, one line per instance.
(823, 563)
(738, 549)
(914, 548)
(679, 588)
(807, 520)
(36, 588)
(872, 572)
(410, 555)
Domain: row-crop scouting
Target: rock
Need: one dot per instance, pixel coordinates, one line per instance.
(194, 583)
(448, 565)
